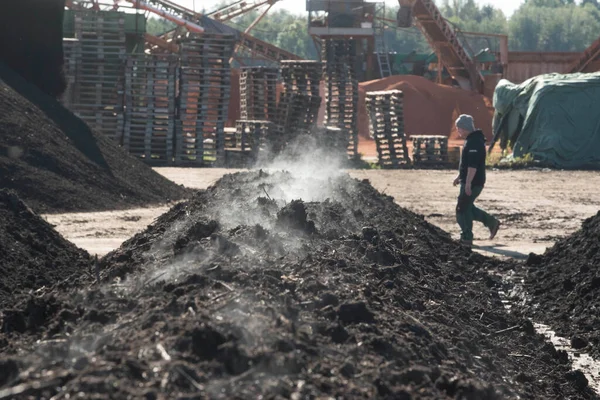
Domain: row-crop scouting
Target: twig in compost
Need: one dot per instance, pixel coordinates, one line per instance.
(97, 269)
(163, 352)
(234, 297)
(520, 355)
(512, 328)
(218, 297)
(197, 385)
(226, 286)
(25, 388)
(152, 280)
(268, 197)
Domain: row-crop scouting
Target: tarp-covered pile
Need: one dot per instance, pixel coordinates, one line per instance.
(553, 117)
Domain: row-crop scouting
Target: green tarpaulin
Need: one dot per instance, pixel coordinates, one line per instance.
(553, 117)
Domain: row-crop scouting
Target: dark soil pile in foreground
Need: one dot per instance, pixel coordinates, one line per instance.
(245, 290)
(565, 285)
(56, 163)
(32, 253)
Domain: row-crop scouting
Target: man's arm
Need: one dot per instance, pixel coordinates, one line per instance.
(474, 157)
(470, 175)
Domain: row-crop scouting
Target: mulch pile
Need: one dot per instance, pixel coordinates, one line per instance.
(245, 290)
(32, 254)
(55, 163)
(565, 286)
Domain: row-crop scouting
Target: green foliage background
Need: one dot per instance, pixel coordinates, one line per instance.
(538, 25)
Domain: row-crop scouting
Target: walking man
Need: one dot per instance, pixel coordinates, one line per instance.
(471, 177)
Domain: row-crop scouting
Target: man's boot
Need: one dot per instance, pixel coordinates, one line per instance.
(494, 229)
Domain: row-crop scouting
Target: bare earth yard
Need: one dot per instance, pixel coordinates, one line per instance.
(536, 207)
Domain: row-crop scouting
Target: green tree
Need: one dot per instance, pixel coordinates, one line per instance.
(552, 27)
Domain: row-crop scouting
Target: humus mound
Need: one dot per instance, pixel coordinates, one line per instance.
(56, 163)
(284, 286)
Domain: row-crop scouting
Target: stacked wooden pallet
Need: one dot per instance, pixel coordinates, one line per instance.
(341, 88)
(258, 93)
(150, 90)
(386, 113)
(98, 97)
(72, 55)
(246, 142)
(253, 136)
(302, 76)
(204, 89)
(430, 151)
(331, 139)
(230, 138)
(299, 103)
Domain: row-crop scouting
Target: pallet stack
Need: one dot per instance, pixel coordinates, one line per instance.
(150, 90)
(98, 97)
(301, 76)
(204, 89)
(253, 136)
(341, 88)
(386, 113)
(72, 57)
(331, 139)
(300, 101)
(246, 142)
(430, 151)
(258, 93)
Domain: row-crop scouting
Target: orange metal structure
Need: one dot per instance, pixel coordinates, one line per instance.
(445, 40)
(587, 57)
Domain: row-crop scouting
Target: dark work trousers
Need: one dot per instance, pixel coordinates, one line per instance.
(467, 212)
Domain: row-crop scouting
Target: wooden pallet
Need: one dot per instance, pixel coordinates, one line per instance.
(98, 77)
(72, 53)
(430, 150)
(387, 127)
(150, 90)
(302, 76)
(258, 93)
(204, 90)
(341, 88)
(253, 135)
(332, 139)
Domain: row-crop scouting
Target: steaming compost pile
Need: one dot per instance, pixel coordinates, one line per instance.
(245, 290)
(56, 163)
(565, 286)
(32, 253)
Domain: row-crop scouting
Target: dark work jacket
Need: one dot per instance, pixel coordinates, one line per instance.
(473, 155)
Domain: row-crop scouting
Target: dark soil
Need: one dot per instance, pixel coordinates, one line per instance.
(32, 254)
(565, 286)
(56, 163)
(243, 292)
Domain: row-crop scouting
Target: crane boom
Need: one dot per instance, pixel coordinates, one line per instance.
(445, 41)
(173, 8)
(183, 17)
(239, 8)
(588, 55)
(179, 20)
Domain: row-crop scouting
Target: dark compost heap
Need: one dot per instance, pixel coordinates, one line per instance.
(245, 291)
(32, 254)
(565, 286)
(56, 163)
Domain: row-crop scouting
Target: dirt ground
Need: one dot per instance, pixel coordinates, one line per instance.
(536, 207)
